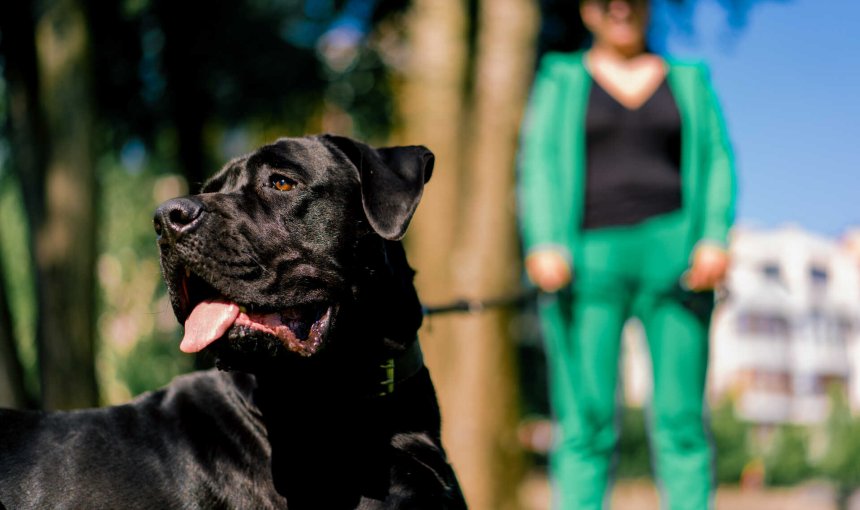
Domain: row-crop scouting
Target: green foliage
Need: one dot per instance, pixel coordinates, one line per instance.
(17, 269)
(152, 363)
(787, 459)
(633, 461)
(160, 64)
(139, 336)
(841, 462)
(730, 437)
(364, 92)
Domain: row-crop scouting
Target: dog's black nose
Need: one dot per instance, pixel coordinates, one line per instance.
(177, 216)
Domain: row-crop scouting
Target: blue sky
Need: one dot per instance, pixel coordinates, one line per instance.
(789, 82)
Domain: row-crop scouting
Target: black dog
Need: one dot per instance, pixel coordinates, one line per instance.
(288, 268)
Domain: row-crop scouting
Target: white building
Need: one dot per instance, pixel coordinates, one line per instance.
(784, 334)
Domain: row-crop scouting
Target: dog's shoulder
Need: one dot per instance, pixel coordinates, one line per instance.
(181, 442)
(207, 389)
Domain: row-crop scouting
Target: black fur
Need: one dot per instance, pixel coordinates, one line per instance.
(287, 427)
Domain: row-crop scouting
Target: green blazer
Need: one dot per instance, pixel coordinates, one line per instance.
(552, 155)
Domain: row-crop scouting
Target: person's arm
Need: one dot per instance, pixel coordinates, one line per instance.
(710, 256)
(548, 261)
(720, 173)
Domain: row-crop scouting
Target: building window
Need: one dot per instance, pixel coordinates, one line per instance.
(771, 271)
(754, 323)
(818, 275)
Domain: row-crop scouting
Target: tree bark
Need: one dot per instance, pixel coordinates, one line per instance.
(64, 234)
(431, 106)
(488, 256)
(463, 241)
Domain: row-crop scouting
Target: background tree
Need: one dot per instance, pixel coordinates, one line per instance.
(840, 462)
(51, 118)
(463, 96)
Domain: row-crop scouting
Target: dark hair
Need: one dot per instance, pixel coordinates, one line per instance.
(607, 1)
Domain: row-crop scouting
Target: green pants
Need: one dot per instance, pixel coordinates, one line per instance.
(621, 272)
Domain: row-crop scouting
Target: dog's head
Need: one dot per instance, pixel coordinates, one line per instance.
(287, 245)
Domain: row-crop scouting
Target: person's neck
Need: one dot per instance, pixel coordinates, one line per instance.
(616, 54)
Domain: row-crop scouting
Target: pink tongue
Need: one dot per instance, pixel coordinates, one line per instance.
(208, 322)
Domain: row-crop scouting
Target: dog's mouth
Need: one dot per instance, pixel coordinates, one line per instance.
(210, 316)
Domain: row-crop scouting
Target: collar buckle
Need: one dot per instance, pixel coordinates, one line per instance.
(387, 382)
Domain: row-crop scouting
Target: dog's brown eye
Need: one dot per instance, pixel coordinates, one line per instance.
(281, 183)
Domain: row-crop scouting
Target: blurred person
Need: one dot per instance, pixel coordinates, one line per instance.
(626, 195)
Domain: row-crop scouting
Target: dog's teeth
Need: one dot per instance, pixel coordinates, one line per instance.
(243, 309)
(188, 272)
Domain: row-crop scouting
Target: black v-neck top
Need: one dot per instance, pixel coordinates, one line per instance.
(633, 158)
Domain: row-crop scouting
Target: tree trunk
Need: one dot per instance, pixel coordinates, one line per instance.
(463, 240)
(431, 105)
(64, 235)
(488, 256)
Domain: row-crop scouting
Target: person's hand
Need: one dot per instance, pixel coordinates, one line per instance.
(548, 270)
(708, 269)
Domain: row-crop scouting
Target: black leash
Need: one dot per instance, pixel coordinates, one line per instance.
(700, 302)
(479, 305)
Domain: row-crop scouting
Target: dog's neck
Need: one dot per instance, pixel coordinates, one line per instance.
(337, 432)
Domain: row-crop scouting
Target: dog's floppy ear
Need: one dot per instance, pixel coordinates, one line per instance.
(392, 181)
